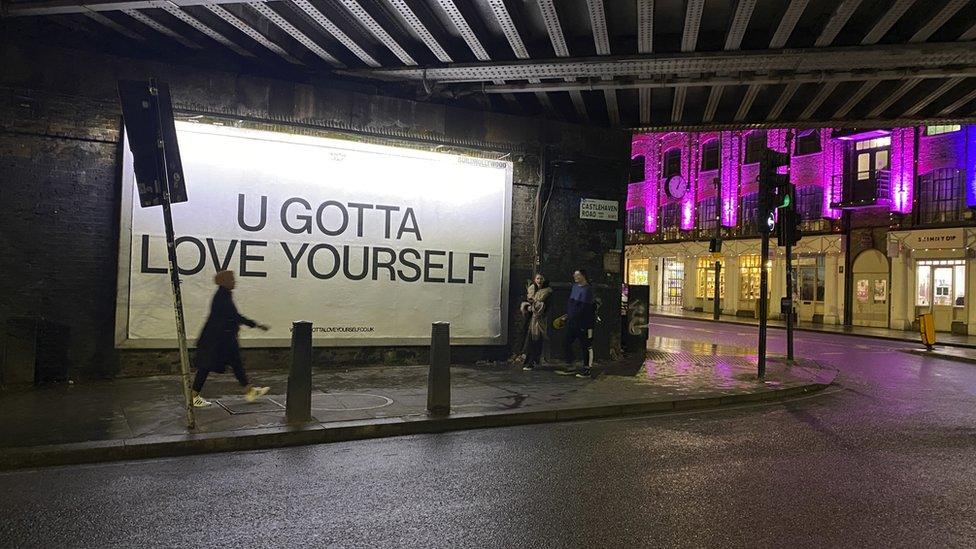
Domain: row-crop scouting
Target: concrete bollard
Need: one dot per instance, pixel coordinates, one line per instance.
(298, 406)
(439, 376)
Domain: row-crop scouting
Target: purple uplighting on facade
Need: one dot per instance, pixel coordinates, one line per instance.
(832, 164)
(900, 189)
(687, 215)
(911, 157)
(730, 158)
(970, 156)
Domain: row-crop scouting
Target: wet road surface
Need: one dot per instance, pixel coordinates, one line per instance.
(886, 458)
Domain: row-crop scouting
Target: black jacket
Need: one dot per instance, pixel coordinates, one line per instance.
(217, 345)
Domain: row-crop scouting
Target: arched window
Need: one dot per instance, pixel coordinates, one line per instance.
(637, 164)
(710, 156)
(672, 163)
(755, 144)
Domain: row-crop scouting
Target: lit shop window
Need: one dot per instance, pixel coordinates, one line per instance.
(940, 283)
(938, 130)
(706, 279)
(637, 271)
(749, 266)
(810, 278)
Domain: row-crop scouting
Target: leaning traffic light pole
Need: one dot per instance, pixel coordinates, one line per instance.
(147, 113)
(773, 195)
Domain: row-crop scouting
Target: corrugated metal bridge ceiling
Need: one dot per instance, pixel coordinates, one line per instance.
(627, 63)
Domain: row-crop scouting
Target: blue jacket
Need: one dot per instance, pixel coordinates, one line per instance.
(581, 308)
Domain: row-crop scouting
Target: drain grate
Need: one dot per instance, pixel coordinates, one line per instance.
(237, 405)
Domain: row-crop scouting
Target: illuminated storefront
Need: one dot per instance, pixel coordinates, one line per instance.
(931, 272)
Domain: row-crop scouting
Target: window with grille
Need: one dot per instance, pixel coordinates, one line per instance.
(941, 196)
(709, 160)
(808, 143)
(671, 216)
(945, 128)
(635, 219)
(672, 163)
(809, 202)
(750, 211)
(755, 144)
(749, 266)
(706, 279)
(707, 213)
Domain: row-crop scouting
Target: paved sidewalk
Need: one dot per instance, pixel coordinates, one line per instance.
(946, 339)
(956, 354)
(142, 417)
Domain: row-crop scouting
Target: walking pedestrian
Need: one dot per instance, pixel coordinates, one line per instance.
(579, 318)
(218, 345)
(538, 333)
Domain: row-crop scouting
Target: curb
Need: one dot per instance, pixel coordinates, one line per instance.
(812, 330)
(317, 433)
(942, 356)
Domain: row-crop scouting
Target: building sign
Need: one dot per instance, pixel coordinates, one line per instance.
(936, 239)
(602, 210)
(370, 243)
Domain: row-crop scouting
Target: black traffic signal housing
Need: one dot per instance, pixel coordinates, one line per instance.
(788, 230)
(773, 188)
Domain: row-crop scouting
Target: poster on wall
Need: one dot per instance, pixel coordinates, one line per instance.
(880, 291)
(862, 290)
(370, 243)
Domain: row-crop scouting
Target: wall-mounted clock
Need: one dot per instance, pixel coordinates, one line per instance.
(675, 186)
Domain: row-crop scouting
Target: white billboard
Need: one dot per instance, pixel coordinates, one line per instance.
(370, 243)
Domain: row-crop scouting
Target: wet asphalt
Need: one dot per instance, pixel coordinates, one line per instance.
(885, 458)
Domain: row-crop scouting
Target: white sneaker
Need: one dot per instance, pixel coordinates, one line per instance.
(200, 402)
(254, 392)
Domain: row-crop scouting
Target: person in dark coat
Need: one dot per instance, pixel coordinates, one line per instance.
(580, 317)
(218, 346)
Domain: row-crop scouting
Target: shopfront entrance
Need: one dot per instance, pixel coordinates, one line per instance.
(672, 283)
(810, 284)
(870, 289)
(940, 289)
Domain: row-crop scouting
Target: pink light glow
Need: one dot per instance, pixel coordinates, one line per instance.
(687, 215)
(900, 187)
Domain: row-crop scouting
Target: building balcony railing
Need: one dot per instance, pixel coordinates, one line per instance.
(865, 189)
(745, 230)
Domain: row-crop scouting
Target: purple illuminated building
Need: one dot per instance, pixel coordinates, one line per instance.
(834, 170)
(887, 217)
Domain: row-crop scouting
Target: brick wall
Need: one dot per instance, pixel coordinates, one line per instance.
(60, 186)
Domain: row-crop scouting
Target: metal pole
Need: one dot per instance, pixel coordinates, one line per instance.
(718, 273)
(439, 375)
(789, 295)
(763, 303)
(174, 273)
(718, 239)
(790, 218)
(298, 406)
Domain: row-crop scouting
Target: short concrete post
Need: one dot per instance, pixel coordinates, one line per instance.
(439, 376)
(298, 407)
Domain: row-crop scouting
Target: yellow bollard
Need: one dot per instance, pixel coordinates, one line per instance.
(926, 327)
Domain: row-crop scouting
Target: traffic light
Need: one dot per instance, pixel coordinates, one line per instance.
(788, 230)
(774, 188)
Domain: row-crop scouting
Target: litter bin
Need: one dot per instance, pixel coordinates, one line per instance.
(926, 327)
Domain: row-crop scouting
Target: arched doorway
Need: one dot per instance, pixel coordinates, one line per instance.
(870, 292)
